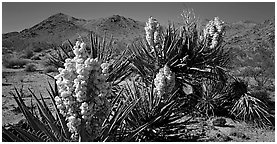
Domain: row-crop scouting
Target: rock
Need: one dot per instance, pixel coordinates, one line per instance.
(219, 122)
(222, 137)
(239, 135)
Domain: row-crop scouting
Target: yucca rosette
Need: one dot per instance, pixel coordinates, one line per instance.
(213, 32)
(164, 81)
(83, 92)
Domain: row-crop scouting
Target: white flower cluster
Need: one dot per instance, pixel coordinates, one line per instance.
(153, 32)
(164, 81)
(213, 31)
(82, 88)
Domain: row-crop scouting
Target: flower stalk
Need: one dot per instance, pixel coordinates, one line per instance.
(83, 92)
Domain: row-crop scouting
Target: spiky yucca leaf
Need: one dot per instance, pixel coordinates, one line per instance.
(113, 127)
(153, 118)
(208, 103)
(60, 54)
(252, 110)
(43, 127)
(232, 93)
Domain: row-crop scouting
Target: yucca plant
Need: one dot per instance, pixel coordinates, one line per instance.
(238, 101)
(192, 56)
(251, 109)
(189, 53)
(209, 102)
(111, 71)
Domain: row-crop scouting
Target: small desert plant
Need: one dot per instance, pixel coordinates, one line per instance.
(251, 109)
(28, 54)
(208, 103)
(30, 67)
(50, 69)
(14, 62)
(242, 105)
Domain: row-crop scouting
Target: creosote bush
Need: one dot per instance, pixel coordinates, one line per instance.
(30, 67)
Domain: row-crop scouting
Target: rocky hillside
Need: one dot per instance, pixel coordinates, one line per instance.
(59, 27)
(253, 45)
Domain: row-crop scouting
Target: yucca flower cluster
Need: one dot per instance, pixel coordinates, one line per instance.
(153, 32)
(213, 31)
(164, 81)
(83, 92)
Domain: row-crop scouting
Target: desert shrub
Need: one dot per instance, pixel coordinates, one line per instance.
(30, 67)
(37, 49)
(14, 62)
(49, 69)
(35, 58)
(28, 53)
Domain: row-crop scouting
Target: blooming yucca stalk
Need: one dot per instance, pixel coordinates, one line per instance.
(153, 32)
(213, 32)
(83, 93)
(164, 81)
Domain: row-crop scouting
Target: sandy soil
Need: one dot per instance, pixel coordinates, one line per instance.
(235, 131)
(21, 80)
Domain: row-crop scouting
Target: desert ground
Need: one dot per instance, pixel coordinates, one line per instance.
(233, 131)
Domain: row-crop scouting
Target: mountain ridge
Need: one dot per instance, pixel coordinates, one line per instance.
(59, 27)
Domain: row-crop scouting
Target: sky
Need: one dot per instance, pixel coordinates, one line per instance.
(17, 16)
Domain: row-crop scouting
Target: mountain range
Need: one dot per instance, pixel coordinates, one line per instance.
(243, 36)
